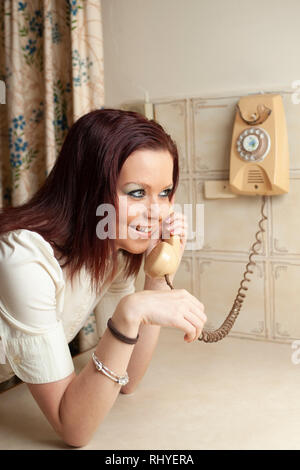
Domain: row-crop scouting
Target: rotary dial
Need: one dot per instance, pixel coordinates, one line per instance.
(253, 144)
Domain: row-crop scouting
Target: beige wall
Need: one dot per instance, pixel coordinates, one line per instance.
(180, 51)
(179, 48)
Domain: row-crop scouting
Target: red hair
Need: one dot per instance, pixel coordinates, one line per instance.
(85, 174)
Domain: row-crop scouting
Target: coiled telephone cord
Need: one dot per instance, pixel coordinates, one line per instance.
(209, 336)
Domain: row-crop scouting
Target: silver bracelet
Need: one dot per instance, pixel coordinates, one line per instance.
(120, 379)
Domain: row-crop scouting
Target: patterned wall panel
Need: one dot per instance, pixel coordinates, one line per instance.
(230, 224)
(285, 222)
(211, 129)
(219, 282)
(286, 300)
(173, 117)
(184, 275)
(292, 113)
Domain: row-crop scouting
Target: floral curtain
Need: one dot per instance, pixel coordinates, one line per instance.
(51, 62)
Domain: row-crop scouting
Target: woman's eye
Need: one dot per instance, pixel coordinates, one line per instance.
(167, 192)
(134, 193)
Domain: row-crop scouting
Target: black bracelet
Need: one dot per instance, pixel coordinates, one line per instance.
(119, 335)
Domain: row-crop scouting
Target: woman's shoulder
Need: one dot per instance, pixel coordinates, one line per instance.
(23, 238)
(23, 247)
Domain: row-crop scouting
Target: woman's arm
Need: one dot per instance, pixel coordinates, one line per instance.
(144, 349)
(76, 405)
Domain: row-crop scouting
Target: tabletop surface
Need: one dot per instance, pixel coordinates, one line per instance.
(236, 394)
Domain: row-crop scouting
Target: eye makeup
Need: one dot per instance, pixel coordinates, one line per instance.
(133, 193)
(130, 188)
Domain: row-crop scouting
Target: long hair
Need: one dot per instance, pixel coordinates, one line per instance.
(85, 174)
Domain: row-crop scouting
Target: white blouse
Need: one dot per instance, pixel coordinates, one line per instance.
(41, 312)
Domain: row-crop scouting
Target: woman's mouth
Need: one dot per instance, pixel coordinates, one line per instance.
(143, 231)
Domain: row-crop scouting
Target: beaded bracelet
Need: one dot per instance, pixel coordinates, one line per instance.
(120, 379)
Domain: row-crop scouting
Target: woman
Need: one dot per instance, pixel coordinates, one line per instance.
(56, 265)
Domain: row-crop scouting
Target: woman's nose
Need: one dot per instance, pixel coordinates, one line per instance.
(156, 211)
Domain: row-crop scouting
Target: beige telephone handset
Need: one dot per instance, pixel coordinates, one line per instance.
(163, 259)
(259, 165)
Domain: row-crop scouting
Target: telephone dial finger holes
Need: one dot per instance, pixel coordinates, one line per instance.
(253, 144)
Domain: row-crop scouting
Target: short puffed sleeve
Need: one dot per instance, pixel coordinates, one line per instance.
(31, 293)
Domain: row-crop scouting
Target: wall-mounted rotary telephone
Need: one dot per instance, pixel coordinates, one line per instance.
(259, 157)
(259, 165)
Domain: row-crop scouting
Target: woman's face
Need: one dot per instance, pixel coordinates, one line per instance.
(143, 187)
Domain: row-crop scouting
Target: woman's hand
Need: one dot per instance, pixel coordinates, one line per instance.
(173, 308)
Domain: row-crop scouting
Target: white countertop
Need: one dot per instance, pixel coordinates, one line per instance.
(236, 394)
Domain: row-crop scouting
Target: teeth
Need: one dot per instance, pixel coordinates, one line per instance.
(143, 229)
